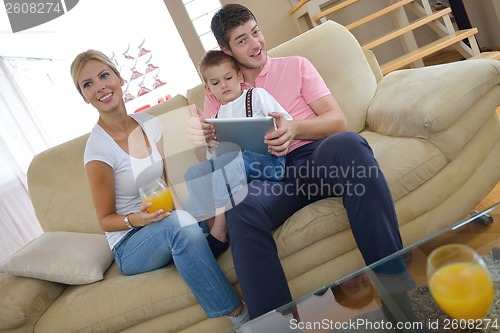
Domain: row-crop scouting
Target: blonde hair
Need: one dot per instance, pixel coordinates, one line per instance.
(214, 58)
(84, 57)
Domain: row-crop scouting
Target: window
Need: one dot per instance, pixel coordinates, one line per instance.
(201, 12)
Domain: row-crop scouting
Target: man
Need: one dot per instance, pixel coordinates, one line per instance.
(315, 138)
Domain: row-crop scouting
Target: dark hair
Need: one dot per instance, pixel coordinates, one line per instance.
(226, 19)
(215, 58)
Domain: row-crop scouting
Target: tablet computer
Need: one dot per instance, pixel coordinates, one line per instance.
(246, 133)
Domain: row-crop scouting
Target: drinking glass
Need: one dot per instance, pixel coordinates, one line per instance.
(460, 282)
(159, 194)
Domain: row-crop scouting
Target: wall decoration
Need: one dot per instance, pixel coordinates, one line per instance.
(137, 68)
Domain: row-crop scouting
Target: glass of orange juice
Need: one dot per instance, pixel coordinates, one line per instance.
(159, 194)
(460, 282)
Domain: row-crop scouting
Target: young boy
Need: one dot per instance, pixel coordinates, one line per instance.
(213, 182)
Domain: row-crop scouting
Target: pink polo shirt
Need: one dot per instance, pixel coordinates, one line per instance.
(292, 81)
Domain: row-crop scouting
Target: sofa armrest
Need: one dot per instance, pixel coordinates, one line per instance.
(24, 300)
(374, 65)
(424, 102)
(196, 95)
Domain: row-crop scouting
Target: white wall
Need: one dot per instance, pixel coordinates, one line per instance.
(485, 15)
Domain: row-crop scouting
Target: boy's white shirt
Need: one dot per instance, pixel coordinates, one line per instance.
(262, 104)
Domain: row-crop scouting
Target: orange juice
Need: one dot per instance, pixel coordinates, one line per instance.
(160, 199)
(462, 290)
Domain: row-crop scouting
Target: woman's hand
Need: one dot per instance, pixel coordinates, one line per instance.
(143, 217)
(279, 140)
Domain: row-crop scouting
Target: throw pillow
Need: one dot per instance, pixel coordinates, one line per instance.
(65, 257)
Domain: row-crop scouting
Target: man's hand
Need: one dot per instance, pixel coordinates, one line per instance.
(279, 140)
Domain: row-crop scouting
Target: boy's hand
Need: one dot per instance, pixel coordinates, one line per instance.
(197, 130)
(279, 140)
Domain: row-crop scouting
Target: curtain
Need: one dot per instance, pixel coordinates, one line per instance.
(17, 218)
(32, 120)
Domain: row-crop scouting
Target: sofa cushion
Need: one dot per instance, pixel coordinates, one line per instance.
(24, 300)
(64, 257)
(309, 225)
(118, 302)
(424, 102)
(56, 181)
(406, 163)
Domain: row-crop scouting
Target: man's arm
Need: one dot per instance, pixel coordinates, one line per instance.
(330, 120)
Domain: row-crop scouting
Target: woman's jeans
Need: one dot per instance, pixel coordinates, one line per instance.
(178, 237)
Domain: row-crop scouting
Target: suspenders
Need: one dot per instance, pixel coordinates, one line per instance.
(248, 103)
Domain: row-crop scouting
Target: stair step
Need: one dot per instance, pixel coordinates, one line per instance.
(487, 55)
(381, 12)
(426, 50)
(297, 6)
(401, 31)
(333, 9)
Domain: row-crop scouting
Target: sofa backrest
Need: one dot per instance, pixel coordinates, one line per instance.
(178, 148)
(350, 73)
(58, 184)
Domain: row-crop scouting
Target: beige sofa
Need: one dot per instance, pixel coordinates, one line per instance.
(434, 131)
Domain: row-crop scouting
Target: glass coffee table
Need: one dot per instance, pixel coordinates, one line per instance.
(391, 295)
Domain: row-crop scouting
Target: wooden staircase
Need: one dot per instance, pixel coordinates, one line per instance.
(310, 13)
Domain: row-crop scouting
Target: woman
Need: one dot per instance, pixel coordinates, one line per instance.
(123, 153)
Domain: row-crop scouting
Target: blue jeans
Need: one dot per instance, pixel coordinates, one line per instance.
(179, 238)
(264, 166)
